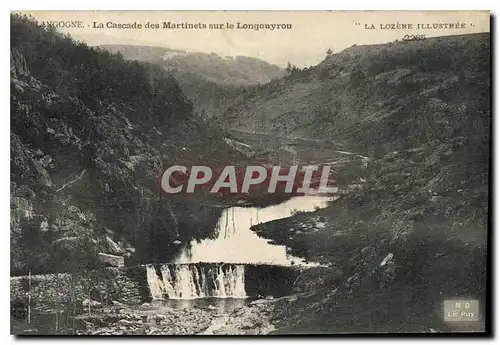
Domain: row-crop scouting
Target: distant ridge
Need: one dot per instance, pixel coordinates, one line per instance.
(224, 70)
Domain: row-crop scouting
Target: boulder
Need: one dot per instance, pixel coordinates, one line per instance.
(92, 303)
(258, 301)
(113, 247)
(320, 225)
(387, 259)
(111, 260)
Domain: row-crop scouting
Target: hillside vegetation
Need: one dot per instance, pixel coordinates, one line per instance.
(211, 81)
(92, 130)
(402, 93)
(228, 70)
(415, 232)
(90, 134)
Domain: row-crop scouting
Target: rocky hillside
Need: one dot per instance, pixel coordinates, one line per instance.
(377, 94)
(211, 81)
(90, 134)
(414, 233)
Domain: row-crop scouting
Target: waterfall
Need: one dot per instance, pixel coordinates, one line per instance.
(155, 285)
(191, 281)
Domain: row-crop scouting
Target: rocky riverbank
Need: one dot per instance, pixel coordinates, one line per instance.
(256, 317)
(144, 320)
(251, 319)
(409, 238)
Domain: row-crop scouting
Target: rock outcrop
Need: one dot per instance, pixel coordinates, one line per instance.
(90, 133)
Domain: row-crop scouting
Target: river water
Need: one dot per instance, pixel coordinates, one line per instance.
(236, 243)
(216, 268)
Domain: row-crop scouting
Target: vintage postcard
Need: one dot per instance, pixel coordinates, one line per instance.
(249, 172)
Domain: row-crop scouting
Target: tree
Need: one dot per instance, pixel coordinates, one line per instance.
(329, 52)
(292, 69)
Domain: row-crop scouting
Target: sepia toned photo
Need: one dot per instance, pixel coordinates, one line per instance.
(249, 172)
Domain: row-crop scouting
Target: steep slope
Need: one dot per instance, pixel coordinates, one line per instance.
(239, 70)
(209, 80)
(398, 86)
(90, 134)
(415, 232)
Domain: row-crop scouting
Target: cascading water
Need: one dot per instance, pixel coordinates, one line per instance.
(190, 281)
(216, 267)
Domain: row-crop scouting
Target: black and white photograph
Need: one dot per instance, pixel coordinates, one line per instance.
(250, 173)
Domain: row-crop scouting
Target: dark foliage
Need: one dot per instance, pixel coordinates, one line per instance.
(92, 74)
(90, 133)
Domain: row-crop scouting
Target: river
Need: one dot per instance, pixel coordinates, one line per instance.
(237, 243)
(222, 267)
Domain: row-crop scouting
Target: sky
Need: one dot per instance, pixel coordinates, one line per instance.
(306, 43)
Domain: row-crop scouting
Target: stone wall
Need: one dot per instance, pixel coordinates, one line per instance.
(129, 285)
(69, 290)
(269, 280)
